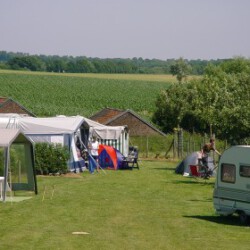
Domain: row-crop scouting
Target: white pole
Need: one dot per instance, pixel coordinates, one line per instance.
(19, 171)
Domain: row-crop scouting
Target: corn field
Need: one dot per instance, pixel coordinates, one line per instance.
(49, 94)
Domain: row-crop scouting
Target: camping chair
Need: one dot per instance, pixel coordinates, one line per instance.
(194, 171)
(198, 171)
(132, 159)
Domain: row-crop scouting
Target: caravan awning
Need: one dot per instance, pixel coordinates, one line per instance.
(107, 132)
(50, 125)
(104, 132)
(8, 136)
(67, 125)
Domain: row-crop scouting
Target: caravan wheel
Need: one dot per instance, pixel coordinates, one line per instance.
(244, 218)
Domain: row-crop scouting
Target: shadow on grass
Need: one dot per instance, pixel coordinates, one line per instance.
(193, 181)
(126, 168)
(207, 200)
(169, 169)
(225, 220)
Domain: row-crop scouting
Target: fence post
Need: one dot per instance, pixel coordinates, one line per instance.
(180, 143)
(225, 145)
(174, 145)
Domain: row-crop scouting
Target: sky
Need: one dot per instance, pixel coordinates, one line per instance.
(160, 29)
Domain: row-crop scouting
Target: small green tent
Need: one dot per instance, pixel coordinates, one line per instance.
(17, 170)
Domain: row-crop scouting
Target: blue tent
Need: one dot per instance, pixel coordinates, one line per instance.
(110, 158)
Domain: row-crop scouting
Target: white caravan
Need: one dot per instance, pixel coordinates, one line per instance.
(232, 187)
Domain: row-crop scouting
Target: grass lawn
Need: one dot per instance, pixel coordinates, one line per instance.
(150, 208)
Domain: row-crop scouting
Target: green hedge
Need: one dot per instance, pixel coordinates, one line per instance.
(51, 158)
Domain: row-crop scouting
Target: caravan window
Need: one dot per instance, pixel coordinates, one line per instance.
(228, 173)
(245, 170)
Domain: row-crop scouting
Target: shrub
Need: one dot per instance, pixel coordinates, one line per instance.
(51, 158)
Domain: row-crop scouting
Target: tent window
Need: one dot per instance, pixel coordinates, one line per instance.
(245, 170)
(18, 164)
(228, 173)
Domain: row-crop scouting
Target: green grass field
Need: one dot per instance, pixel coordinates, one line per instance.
(150, 208)
(49, 94)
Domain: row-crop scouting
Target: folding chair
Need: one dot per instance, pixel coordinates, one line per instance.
(198, 171)
(132, 159)
(194, 171)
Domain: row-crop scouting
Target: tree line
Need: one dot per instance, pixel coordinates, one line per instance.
(217, 102)
(82, 64)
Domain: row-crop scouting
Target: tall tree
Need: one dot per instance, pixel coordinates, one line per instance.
(180, 69)
(32, 63)
(220, 99)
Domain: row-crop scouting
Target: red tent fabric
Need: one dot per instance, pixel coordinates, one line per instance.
(109, 157)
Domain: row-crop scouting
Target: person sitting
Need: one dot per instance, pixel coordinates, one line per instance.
(81, 162)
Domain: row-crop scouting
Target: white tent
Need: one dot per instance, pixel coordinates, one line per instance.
(184, 166)
(12, 141)
(66, 130)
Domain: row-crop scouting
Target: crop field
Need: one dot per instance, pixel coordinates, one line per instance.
(48, 94)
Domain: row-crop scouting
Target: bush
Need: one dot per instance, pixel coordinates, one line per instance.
(51, 158)
(15, 156)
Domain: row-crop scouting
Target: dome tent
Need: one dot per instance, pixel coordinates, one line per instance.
(109, 157)
(192, 159)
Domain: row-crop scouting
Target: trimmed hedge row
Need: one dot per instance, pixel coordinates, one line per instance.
(51, 158)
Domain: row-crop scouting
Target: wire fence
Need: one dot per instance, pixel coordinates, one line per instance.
(173, 146)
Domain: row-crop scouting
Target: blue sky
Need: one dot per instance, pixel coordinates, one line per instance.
(162, 29)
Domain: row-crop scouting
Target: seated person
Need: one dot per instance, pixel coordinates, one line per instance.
(81, 162)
